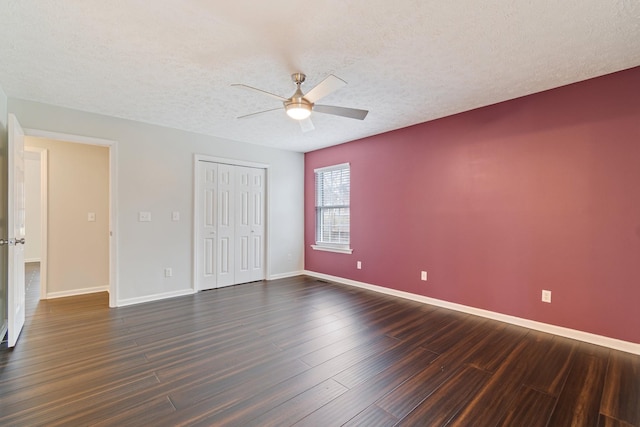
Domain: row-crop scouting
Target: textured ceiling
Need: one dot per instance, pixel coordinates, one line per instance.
(171, 62)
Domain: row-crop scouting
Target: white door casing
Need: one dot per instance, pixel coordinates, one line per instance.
(16, 230)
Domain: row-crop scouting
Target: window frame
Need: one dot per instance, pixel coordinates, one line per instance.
(319, 207)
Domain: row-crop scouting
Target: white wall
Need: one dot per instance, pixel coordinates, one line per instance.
(78, 184)
(32, 206)
(155, 173)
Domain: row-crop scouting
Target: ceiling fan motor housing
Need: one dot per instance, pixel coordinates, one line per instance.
(297, 107)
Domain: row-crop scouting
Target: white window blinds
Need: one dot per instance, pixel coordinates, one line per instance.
(333, 186)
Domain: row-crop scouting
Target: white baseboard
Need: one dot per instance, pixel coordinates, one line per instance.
(154, 297)
(286, 275)
(3, 329)
(74, 292)
(613, 343)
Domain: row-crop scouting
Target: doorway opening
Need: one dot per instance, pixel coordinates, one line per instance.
(36, 208)
(83, 217)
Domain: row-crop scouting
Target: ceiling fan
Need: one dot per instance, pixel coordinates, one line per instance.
(299, 105)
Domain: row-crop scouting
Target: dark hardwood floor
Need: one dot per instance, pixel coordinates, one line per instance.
(301, 352)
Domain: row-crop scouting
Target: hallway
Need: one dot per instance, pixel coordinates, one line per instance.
(32, 287)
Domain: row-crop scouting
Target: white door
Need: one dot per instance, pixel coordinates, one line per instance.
(258, 226)
(249, 224)
(226, 226)
(206, 234)
(16, 230)
(231, 225)
(243, 225)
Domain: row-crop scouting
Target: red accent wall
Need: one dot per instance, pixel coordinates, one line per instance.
(541, 192)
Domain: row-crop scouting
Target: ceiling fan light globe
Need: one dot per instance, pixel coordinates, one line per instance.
(298, 111)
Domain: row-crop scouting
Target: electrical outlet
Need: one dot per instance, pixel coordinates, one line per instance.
(546, 296)
(168, 272)
(359, 265)
(423, 276)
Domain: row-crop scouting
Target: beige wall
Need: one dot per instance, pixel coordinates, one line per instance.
(78, 183)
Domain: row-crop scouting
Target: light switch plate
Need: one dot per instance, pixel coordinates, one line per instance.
(91, 216)
(144, 216)
(175, 216)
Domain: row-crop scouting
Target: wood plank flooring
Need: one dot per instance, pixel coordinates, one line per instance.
(301, 352)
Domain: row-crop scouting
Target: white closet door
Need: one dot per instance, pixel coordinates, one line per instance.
(226, 225)
(207, 210)
(249, 222)
(243, 224)
(257, 223)
(231, 225)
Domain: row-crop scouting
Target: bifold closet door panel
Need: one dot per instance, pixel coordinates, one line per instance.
(207, 227)
(249, 221)
(231, 225)
(226, 232)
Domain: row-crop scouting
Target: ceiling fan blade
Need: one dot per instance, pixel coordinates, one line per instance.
(324, 88)
(259, 112)
(255, 89)
(306, 125)
(352, 113)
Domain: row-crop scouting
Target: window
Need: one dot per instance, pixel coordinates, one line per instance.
(332, 208)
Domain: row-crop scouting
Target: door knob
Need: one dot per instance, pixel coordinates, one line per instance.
(11, 241)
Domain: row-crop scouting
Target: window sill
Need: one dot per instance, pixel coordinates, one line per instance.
(343, 250)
